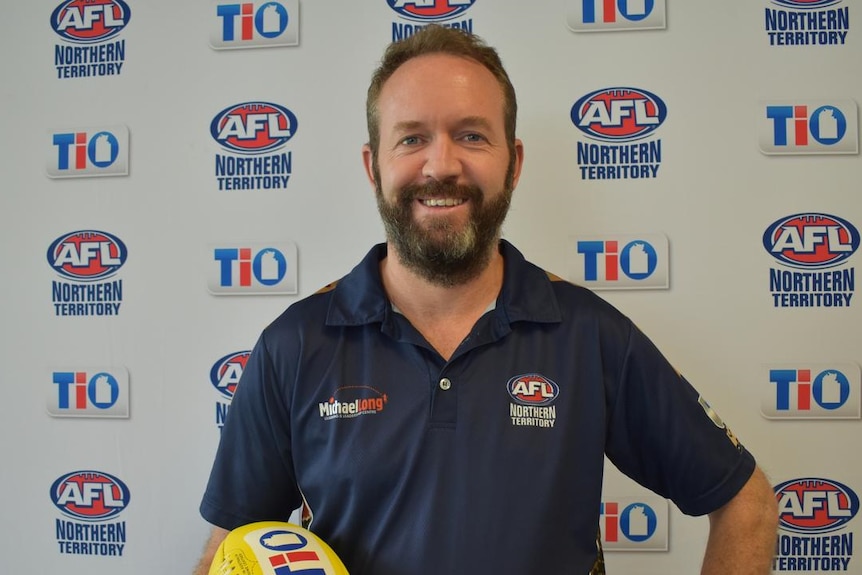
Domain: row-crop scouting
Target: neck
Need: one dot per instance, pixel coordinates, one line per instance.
(443, 314)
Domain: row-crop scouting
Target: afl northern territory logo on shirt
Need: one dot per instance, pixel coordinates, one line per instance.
(532, 396)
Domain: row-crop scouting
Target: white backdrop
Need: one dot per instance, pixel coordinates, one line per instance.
(714, 195)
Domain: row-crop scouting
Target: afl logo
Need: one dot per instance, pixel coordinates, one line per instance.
(430, 10)
(618, 114)
(90, 495)
(805, 4)
(532, 389)
(813, 505)
(227, 371)
(90, 21)
(253, 127)
(811, 240)
(87, 255)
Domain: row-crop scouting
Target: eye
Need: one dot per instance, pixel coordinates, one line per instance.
(409, 141)
(474, 137)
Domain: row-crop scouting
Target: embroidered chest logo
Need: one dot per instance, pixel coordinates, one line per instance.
(532, 396)
(353, 401)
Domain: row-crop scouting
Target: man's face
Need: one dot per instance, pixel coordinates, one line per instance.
(443, 172)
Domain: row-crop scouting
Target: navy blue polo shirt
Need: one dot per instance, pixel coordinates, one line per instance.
(490, 462)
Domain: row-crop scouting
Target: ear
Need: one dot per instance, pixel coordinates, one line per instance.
(368, 162)
(519, 162)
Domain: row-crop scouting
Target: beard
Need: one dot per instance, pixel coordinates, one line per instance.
(437, 249)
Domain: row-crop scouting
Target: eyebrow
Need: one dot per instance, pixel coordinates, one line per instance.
(466, 122)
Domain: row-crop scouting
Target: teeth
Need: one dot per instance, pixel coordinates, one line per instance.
(437, 202)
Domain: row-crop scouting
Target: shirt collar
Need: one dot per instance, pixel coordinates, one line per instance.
(527, 295)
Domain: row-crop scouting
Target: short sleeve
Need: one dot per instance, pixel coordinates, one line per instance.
(664, 435)
(252, 477)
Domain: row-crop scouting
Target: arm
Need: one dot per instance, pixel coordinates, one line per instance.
(216, 537)
(742, 533)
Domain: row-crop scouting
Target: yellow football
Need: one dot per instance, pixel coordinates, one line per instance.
(275, 548)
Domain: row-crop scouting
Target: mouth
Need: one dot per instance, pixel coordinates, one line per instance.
(442, 202)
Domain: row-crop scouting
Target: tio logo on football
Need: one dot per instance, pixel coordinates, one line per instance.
(253, 269)
(809, 127)
(604, 15)
(254, 24)
(623, 262)
(92, 392)
(631, 523)
(813, 391)
(89, 152)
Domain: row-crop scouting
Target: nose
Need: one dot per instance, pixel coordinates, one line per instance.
(442, 161)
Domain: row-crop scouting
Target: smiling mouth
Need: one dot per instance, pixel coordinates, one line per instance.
(442, 202)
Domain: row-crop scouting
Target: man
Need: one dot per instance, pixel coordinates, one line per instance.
(446, 407)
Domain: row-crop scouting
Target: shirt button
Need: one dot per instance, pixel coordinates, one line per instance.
(445, 384)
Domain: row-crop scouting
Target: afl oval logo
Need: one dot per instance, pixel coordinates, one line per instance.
(87, 255)
(253, 127)
(430, 10)
(90, 495)
(90, 21)
(532, 389)
(227, 371)
(814, 505)
(805, 4)
(618, 114)
(811, 240)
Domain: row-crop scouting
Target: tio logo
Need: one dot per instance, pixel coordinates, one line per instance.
(89, 393)
(255, 24)
(632, 523)
(813, 127)
(600, 15)
(641, 262)
(254, 269)
(827, 125)
(290, 552)
(89, 152)
(827, 391)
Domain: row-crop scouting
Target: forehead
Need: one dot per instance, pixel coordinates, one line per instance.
(440, 86)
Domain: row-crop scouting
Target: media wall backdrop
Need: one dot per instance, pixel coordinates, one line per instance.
(174, 174)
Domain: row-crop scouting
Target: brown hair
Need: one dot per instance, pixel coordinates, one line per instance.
(435, 39)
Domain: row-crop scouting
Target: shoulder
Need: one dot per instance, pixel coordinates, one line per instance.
(305, 313)
(575, 300)
(534, 294)
(357, 298)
